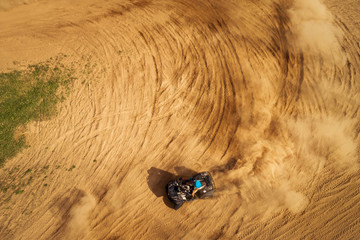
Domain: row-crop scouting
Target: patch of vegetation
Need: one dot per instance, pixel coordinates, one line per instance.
(27, 212)
(19, 191)
(28, 95)
(4, 189)
(72, 167)
(29, 180)
(14, 181)
(14, 170)
(44, 169)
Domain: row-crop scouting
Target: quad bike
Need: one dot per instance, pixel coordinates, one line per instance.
(180, 191)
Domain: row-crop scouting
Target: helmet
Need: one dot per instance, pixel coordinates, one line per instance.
(197, 184)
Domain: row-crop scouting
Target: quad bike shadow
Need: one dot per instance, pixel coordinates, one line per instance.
(156, 181)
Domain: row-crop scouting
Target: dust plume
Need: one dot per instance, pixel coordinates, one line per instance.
(313, 30)
(280, 154)
(79, 217)
(266, 177)
(274, 170)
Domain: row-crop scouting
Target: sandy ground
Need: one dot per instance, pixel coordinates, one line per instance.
(264, 94)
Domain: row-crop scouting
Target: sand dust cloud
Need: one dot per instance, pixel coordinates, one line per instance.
(79, 217)
(313, 30)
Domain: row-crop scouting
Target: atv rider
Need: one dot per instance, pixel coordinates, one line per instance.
(196, 188)
(189, 187)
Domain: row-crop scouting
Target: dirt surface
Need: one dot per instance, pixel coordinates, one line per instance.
(263, 94)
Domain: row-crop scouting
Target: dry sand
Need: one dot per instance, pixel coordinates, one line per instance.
(264, 94)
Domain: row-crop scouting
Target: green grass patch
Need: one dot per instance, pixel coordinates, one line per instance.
(72, 167)
(4, 189)
(19, 191)
(28, 95)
